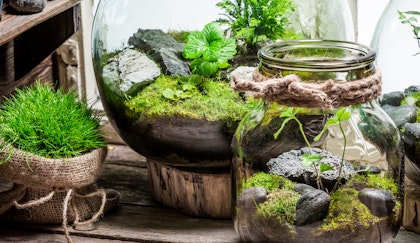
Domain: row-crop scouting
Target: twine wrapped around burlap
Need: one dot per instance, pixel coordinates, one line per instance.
(80, 206)
(292, 91)
(56, 190)
(38, 172)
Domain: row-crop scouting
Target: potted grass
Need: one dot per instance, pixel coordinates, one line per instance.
(52, 148)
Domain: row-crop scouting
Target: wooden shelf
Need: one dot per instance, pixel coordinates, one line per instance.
(28, 41)
(13, 24)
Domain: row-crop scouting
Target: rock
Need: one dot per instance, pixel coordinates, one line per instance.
(129, 71)
(303, 188)
(170, 63)
(411, 138)
(243, 72)
(411, 90)
(28, 6)
(380, 202)
(250, 197)
(401, 114)
(392, 98)
(365, 169)
(163, 48)
(289, 165)
(312, 206)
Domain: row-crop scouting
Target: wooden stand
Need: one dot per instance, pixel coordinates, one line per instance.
(411, 218)
(197, 194)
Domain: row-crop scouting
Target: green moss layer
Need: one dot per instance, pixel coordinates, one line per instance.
(213, 101)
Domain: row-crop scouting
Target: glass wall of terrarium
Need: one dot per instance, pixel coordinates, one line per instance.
(162, 72)
(317, 160)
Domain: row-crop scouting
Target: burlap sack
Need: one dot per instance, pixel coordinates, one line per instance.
(37, 172)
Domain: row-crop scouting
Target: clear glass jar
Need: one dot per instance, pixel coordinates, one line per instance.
(398, 45)
(323, 20)
(318, 160)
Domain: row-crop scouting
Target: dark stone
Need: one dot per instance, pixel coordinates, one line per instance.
(289, 165)
(401, 114)
(411, 138)
(28, 6)
(163, 48)
(303, 188)
(312, 206)
(367, 169)
(392, 98)
(380, 202)
(411, 90)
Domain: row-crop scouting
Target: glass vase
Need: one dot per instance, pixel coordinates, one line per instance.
(317, 160)
(396, 40)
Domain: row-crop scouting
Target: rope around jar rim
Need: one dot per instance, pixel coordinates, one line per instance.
(292, 91)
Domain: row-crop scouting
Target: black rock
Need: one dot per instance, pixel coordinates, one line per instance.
(303, 188)
(411, 138)
(380, 202)
(365, 169)
(312, 206)
(250, 197)
(28, 6)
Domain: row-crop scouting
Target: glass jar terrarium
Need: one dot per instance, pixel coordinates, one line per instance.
(317, 160)
(182, 123)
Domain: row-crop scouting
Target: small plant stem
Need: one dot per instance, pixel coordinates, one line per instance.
(337, 184)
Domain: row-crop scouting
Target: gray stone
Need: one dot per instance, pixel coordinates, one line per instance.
(163, 48)
(411, 90)
(380, 202)
(170, 63)
(392, 98)
(401, 114)
(250, 197)
(312, 207)
(28, 6)
(289, 165)
(129, 71)
(303, 188)
(243, 72)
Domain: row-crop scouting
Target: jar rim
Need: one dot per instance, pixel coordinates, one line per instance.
(364, 55)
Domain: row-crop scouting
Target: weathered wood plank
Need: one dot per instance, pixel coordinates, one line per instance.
(13, 25)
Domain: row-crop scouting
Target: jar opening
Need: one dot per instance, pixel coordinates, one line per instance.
(317, 55)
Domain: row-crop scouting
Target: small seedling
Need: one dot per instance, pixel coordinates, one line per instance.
(311, 159)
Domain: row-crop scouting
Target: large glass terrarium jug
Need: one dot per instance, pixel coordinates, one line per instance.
(181, 121)
(318, 160)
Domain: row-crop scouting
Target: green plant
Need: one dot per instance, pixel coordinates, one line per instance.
(256, 20)
(311, 159)
(408, 17)
(49, 123)
(209, 49)
(414, 100)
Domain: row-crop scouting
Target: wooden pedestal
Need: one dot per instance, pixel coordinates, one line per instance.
(196, 194)
(411, 219)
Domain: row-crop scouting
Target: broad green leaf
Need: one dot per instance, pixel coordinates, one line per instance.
(325, 167)
(306, 161)
(169, 94)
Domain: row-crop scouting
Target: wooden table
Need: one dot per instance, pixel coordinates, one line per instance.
(138, 218)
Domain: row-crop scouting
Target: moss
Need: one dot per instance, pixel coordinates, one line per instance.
(280, 205)
(413, 99)
(281, 199)
(373, 181)
(346, 212)
(213, 101)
